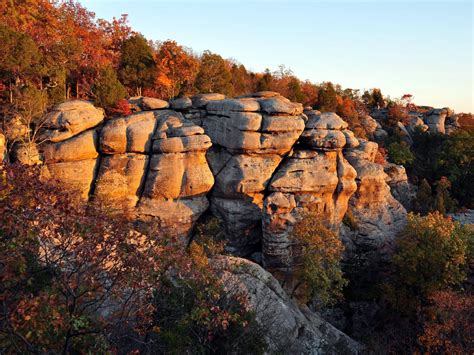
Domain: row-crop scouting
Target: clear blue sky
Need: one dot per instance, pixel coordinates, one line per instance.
(420, 47)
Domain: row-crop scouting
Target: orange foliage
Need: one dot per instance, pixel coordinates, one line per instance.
(449, 328)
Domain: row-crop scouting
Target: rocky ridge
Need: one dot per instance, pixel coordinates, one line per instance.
(258, 163)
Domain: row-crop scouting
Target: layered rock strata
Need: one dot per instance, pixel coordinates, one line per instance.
(250, 137)
(316, 177)
(150, 164)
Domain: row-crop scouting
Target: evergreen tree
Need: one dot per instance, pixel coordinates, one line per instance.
(265, 82)
(137, 69)
(108, 89)
(294, 90)
(424, 200)
(327, 98)
(213, 75)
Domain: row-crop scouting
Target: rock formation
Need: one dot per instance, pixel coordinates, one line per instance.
(250, 137)
(315, 176)
(290, 329)
(258, 163)
(378, 217)
(150, 164)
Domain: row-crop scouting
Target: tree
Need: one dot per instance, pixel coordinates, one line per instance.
(432, 255)
(241, 79)
(400, 153)
(294, 92)
(137, 68)
(264, 83)
(76, 279)
(18, 57)
(318, 252)
(176, 70)
(213, 75)
(107, 89)
(423, 202)
(443, 202)
(327, 98)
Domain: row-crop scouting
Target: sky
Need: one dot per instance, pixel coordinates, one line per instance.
(424, 48)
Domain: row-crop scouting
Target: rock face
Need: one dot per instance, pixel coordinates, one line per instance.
(400, 188)
(290, 330)
(150, 164)
(250, 137)
(378, 216)
(314, 176)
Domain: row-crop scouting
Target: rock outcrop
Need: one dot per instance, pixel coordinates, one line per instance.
(289, 329)
(377, 216)
(314, 176)
(150, 164)
(250, 136)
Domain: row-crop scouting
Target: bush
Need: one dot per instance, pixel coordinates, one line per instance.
(432, 255)
(318, 252)
(400, 153)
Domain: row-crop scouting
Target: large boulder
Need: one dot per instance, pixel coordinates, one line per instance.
(69, 119)
(435, 119)
(288, 328)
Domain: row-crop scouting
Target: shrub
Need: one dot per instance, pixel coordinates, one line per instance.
(432, 255)
(400, 153)
(122, 108)
(318, 253)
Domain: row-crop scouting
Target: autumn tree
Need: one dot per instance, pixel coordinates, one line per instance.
(241, 79)
(137, 68)
(176, 70)
(76, 279)
(432, 255)
(294, 91)
(317, 252)
(213, 75)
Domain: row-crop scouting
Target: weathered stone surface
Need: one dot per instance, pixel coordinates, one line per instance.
(416, 123)
(400, 188)
(289, 329)
(435, 119)
(148, 103)
(182, 103)
(201, 100)
(173, 217)
(81, 147)
(229, 105)
(120, 180)
(379, 217)
(69, 119)
(323, 139)
(130, 134)
(72, 175)
(280, 105)
(245, 175)
(325, 120)
(318, 180)
(151, 103)
(369, 125)
(178, 175)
